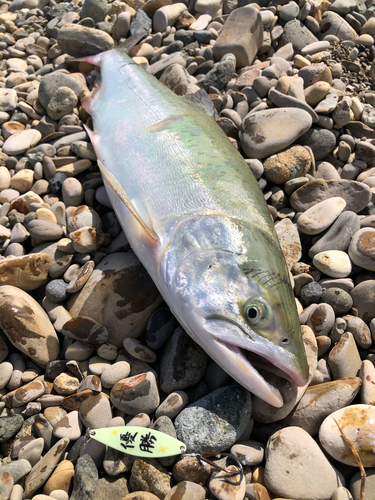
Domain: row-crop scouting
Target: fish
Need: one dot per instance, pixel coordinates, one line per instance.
(196, 218)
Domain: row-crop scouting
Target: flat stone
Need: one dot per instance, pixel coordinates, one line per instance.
(80, 41)
(30, 330)
(95, 411)
(333, 263)
(266, 133)
(61, 478)
(19, 143)
(85, 329)
(310, 477)
(296, 33)
(106, 293)
(359, 329)
(321, 141)
(356, 194)
(338, 235)
(319, 217)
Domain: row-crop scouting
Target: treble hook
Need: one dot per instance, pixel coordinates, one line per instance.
(218, 467)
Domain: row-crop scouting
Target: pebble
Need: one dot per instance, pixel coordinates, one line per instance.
(361, 248)
(137, 394)
(265, 133)
(287, 165)
(18, 143)
(333, 263)
(311, 476)
(340, 300)
(344, 360)
(31, 331)
(357, 422)
(195, 424)
(317, 218)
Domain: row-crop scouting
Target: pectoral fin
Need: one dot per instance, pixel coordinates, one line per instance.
(117, 188)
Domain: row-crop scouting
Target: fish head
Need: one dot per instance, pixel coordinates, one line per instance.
(235, 299)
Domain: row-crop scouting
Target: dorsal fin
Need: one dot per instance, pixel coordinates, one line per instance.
(117, 188)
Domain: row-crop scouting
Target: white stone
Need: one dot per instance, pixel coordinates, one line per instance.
(333, 263)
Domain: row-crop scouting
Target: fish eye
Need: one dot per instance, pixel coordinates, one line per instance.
(256, 310)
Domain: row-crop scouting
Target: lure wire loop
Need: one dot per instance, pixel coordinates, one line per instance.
(203, 457)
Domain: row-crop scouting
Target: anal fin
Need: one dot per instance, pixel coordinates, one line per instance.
(117, 188)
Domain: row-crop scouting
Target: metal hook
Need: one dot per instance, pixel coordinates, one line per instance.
(218, 467)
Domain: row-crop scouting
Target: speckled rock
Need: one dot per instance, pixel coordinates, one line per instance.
(119, 295)
(362, 248)
(219, 411)
(289, 164)
(80, 41)
(289, 241)
(317, 218)
(148, 475)
(85, 479)
(30, 330)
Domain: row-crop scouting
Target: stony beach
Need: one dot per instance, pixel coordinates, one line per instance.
(87, 342)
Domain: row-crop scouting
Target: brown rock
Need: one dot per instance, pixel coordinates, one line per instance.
(119, 295)
(27, 325)
(149, 475)
(191, 469)
(61, 479)
(286, 165)
(27, 272)
(74, 401)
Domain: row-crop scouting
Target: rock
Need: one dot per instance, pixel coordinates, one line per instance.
(18, 143)
(95, 411)
(360, 331)
(320, 140)
(214, 422)
(357, 422)
(6, 484)
(182, 363)
(220, 75)
(356, 194)
(80, 41)
(61, 478)
(321, 400)
(44, 468)
(167, 15)
(96, 9)
(339, 234)
(362, 299)
(317, 218)
(321, 319)
(296, 33)
(85, 479)
(51, 82)
(265, 133)
(290, 241)
(344, 360)
(361, 248)
(30, 330)
(26, 272)
(297, 468)
(8, 99)
(333, 263)
(186, 490)
(242, 35)
(287, 165)
(355, 485)
(333, 24)
(137, 394)
(18, 469)
(63, 102)
(224, 490)
(9, 426)
(149, 475)
(119, 279)
(338, 299)
(115, 487)
(191, 469)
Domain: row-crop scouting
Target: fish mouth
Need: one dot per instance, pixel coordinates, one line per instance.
(242, 356)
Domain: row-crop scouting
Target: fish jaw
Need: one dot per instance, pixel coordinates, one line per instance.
(258, 351)
(233, 359)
